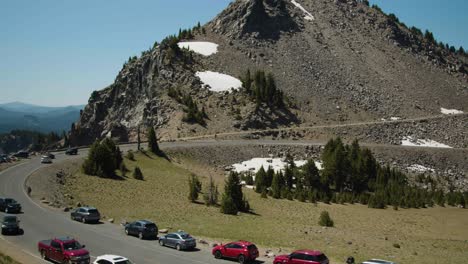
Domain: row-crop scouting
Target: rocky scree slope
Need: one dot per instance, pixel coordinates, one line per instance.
(337, 61)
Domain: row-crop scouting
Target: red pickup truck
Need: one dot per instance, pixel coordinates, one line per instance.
(63, 250)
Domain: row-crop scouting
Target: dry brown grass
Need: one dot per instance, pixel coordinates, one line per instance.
(425, 235)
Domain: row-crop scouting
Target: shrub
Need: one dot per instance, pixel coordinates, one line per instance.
(194, 187)
(130, 155)
(211, 195)
(228, 206)
(325, 219)
(264, 194)
(137, 174)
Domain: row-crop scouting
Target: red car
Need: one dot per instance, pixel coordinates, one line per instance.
(63, 250)
(302, 257)
(243, 251)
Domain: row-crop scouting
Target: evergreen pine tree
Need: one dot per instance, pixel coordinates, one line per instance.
(260, 180)
(152, 142)
(211, 194)
(194, 188)
(277, 185)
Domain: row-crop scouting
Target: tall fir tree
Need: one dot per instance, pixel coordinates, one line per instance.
(153, 142)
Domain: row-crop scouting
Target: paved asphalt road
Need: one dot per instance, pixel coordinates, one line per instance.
(41, 223)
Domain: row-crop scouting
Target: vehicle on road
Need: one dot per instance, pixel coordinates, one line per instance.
(178, 240)
(50, 155)
(86, 214)
(21, 154)
(46, 159)
(9, 205)
(302, 256)
(63, 250)
(142, 228)
(72, 151)
(10, 225)
(378, 261)
(112, 259)
(242, 251)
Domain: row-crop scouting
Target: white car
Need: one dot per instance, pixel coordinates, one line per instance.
(111, 259)
(378, 261)
(46, 159)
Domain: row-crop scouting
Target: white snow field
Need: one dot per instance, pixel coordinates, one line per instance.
(219, 82)
(201, 47)
(410, 141)
(277, 164)
(420, 168)
(308, 15)
(450, 111)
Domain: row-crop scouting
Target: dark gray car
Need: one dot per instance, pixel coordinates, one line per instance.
(10, 225)
(9, 205)
(86, 214)
(142, 229)
(178, 240)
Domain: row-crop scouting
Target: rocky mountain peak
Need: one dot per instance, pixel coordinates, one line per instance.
(258, 18)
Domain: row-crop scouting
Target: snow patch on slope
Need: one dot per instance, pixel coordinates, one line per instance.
(201, 47)
(308, 15)
(450, 111)
(410, 141)
(219, 82)
(420, 168)
(277, 164)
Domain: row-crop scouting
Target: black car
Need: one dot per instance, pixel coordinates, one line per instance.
(72, 151)
(86, 214)
(10, 225)
(50, 155)
(142, 228)
(9, 205)
(21, 154)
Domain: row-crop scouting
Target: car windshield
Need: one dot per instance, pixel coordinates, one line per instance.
(150, 226)
(10, 201)
(72, 245)
(185, 236)
(9, 220)
(123, 262)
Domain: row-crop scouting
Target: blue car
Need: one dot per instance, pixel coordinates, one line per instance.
(178, 240)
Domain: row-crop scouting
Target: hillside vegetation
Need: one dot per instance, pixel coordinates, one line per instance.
(406, 235)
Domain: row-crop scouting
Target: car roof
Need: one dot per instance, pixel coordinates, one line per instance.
(65, 239)
(309, 252)
(87, 208)
(242, 242)
(378, 261)
(144, 222)
(181, 233)
(112, 258)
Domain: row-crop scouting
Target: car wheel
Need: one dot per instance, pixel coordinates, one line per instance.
(218, 254)
(43, 255)
(126, 231)
(178, 247)
(6, 210)
(83, 220)
(241, 259)
(161, 242)
(3, 231)
(140, 235)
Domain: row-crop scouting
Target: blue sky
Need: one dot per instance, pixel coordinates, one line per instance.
(57, 52)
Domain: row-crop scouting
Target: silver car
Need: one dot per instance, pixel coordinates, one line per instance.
(178, 240)
(378, 261)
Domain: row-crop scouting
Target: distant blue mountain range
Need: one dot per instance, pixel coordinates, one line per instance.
(17, 115)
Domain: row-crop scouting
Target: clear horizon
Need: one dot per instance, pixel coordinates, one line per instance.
(56, 54)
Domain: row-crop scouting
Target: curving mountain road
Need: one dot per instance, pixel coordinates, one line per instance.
(41, 223)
